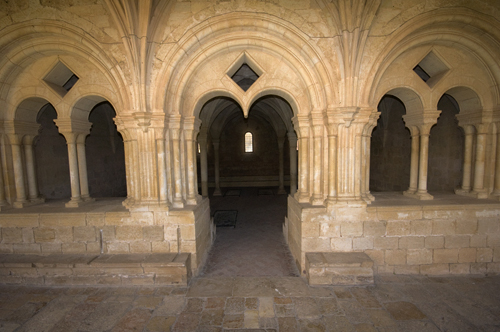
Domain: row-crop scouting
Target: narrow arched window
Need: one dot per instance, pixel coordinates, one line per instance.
(248, 142)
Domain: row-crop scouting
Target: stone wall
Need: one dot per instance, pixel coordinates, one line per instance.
(434, 239)
(158, 231)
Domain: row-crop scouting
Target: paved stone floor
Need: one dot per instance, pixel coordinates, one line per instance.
(256, 246)
(394, 303)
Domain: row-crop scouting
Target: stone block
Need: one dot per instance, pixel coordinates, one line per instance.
(12, 235)
(160, 246)
(117, 218)
(478, 268)
(374, 228)
(84, 234)
(421, 227)
(51, 248)
(434, 242)
(488, 226)
(411, 242)
(377, 256)
(406, 269)
(362, 243)
(117, 248)
(315, 244)
(73, 248)
(443, 227)
(95, 219)
(329, 229)
(444, 212)
(340, 244)
(493, 240)
(493, 268)
(435, 269)
(129, 233)
(395, 257)
(28, 235)
(484, 255)
(153, 233)
(188, 246)
(418, 256)
(22, 220)
(188, 232)
(445, 256)
(478, 240)
(386, 243)
(463, 268)
(396, 213)
(62, 219)
(140, 247)
(398, 228)
(108, 233)
(385, 269)
(64, 234)
(26, 248)
(139, 280)
(466, 227)
(310, 229)
(351, 229)
(467, 255)
(496, 254)
(6, 248)
(94, 247)
(456, 241)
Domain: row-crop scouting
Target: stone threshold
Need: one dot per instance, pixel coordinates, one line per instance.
(106, 269)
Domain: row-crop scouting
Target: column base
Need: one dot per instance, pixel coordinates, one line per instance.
(410, 192)
(330, 201)
(217, 192)
(480, 194)
(302, 197)
(317, 200)
(178, 203)
(194, 200)
(423, 196)
(74, 203)
(88, 199)
(474, 194)
(282, 191)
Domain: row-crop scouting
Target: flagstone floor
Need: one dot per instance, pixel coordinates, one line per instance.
(394, 303)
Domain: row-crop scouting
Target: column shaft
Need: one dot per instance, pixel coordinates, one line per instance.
(414, 162)
(217, 191)
(73, 172)
(293, 164)
(190, 167)
(178, 201)
(423, 166)
(479, 164)
(18, 175)
(317, 197)
(332, 168)
(82, 168)
(30, 169)
(204, 167)
(466, 179)
(162, 171)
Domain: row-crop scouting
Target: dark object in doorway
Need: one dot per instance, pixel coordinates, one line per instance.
(225, 218)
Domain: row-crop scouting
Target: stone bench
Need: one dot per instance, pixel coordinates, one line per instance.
(107, 269)
(339, 268)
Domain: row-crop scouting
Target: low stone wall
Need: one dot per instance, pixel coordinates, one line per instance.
(423, 239)
(152, 231)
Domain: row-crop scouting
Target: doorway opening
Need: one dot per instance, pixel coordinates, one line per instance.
(248, 179)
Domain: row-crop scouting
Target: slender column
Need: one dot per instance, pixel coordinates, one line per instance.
(18, 172)
(415, 143)
(317, 197)
(217, 191)
(192, 195)
(82, 168)
(478, 188)
(162, 170)
(496, 191)
(292, 140)
(367, 160)
(30, 168)
(281, 189)
(302, 128)
(178, 201)
(466, 178)
(74, 174)
(423, 163)
(204, 166)
(332, 164)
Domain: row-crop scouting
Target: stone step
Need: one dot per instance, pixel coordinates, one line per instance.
(108, 269)
(339, 268)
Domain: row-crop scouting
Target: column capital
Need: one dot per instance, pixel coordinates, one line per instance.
(21, 127)
(70, 126)
(423, 120)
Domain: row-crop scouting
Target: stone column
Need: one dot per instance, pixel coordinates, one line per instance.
(415, 147)
(162, 168)
(202, 140)
(332, 129)
(466, 178)
(317, 127)
(478, 188)
(18, 171)
(217, 191)
(178, 201)
(281, 189)
(496, 191)
(191, 126)
(74, 174)
(82, 168)
(423, 163)
(30, 169)
(292, 140)
(367, 133)
(301, 125)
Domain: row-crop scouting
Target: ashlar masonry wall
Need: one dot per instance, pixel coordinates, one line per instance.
(151, 231)
(432, 239)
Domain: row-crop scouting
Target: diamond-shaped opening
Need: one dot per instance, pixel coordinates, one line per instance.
(245, 77)
(61, 79)
(244, 72)
(431, 69)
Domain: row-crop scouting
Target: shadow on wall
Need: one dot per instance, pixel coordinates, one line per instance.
(51, 155)
(105, 155)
